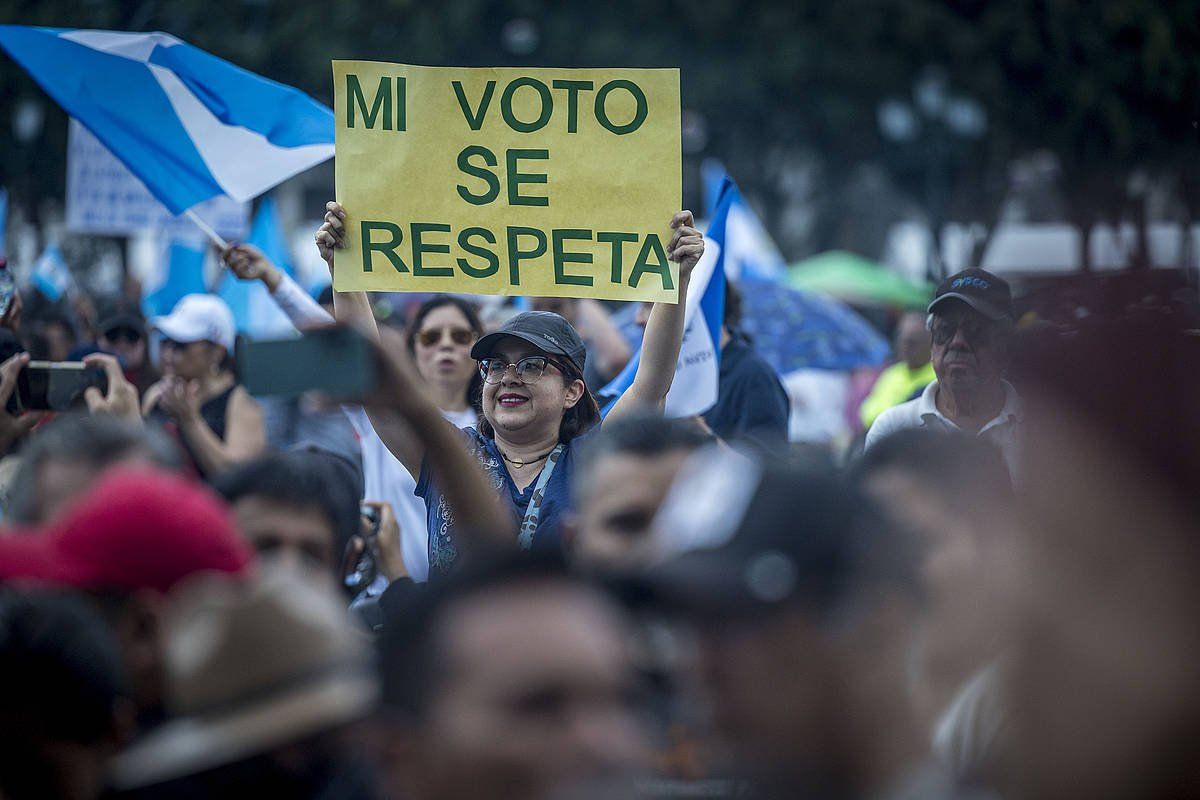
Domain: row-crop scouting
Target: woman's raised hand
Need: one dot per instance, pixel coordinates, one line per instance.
(686, 245)
(332, 233)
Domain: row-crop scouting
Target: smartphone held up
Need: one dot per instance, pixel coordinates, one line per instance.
(337, 361)
(56, 385)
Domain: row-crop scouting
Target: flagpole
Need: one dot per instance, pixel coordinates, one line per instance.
(207, 230)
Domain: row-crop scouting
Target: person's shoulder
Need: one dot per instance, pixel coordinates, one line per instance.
(746, 363)
(905, 415)
(241, 399)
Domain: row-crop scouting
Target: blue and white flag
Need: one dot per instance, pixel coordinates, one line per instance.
(181, 273)
(697, 373)
(190, 125)
(749, 250)
(256, 314)
(51, 275)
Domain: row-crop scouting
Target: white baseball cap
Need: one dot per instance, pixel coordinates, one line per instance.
(199, 318)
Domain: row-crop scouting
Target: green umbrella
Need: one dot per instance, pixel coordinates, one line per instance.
(858, 281)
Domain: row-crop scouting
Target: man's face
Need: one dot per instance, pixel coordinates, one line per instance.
(534, 697)
(301, 536)
(967, 350)
(623, 494)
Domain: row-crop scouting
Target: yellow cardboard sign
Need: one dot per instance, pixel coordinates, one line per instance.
(548, 182)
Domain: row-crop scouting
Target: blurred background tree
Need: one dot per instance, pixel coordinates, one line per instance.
(837, 119)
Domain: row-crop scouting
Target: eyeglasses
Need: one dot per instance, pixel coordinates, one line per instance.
(975, 331)
(528, 370)
(431, 336)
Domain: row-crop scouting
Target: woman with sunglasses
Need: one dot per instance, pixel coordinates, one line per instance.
(535, 404)
(199, 398)
(439, 338)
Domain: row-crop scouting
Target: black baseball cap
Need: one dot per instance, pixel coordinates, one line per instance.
(981, 290)
(120, 315)
(544, 330)
(798, 538)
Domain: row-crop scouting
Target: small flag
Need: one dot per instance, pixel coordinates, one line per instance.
(51, 275)
(190, 125)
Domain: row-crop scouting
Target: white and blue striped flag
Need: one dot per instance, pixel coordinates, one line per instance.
(190, 125)
(51, 275)
(749, 250)
(697, 373)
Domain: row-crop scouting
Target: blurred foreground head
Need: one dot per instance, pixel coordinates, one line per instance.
(66, 456)
(510, 680)
(130, 539)
(803, 598)
(263, 678)
(1105, 701)
(63, 706)
(953, 492)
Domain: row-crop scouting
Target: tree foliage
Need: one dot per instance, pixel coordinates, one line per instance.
(1110, 87)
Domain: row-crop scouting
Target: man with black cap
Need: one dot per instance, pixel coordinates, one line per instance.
(971, 321)
(805, 602)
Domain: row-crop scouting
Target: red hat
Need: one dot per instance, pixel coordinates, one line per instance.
(136, 528)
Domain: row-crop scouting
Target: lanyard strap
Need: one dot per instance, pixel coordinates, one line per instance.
(533, 514)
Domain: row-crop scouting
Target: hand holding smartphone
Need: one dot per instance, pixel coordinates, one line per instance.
(57, 385)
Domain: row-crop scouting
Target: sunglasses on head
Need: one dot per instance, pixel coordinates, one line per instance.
(431, 336)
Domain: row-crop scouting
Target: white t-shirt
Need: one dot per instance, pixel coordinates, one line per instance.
(385, 480)
(1002, 431)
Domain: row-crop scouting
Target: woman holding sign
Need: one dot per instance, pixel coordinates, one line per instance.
(535, 407)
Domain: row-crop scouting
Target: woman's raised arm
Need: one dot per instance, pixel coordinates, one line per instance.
(664, 330)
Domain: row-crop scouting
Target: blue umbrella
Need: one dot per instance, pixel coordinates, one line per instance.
(795, 330)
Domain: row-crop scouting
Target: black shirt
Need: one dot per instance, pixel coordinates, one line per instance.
(751, 403)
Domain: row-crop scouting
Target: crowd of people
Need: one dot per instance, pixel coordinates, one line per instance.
(483, 579)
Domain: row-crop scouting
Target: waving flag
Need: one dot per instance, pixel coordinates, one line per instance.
(697, 372)
(190, 125)
(256, 314)
(749, 249)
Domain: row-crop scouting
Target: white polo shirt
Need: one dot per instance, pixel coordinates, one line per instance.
(1003, 431)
